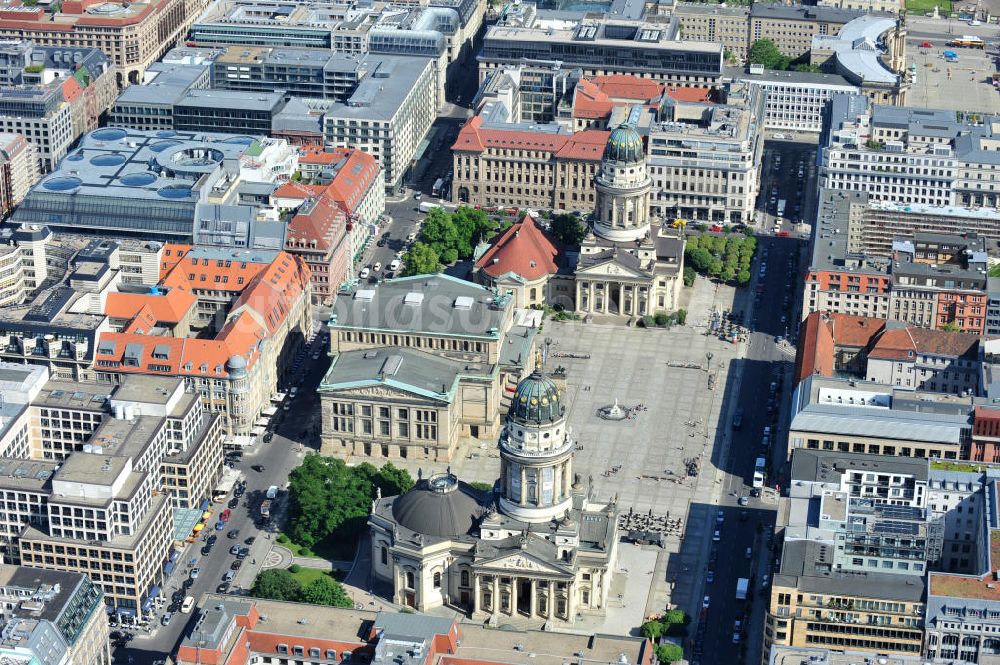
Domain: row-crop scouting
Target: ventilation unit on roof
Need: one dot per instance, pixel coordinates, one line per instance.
(413, 298)
(463, 302)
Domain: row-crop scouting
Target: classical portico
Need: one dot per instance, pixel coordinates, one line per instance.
(534, 547)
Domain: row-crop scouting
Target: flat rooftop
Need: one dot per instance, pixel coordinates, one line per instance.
(72, 395)
(828, 466)
(92, 469)
(147, 388)
(28, 475)
(548, 647)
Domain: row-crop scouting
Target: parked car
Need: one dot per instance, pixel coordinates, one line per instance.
(220, 525)
(233, 534)
(166, 618)
(195, 572)
(222, 588)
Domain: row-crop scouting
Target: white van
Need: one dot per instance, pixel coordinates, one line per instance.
(394, 265)
(187, 605)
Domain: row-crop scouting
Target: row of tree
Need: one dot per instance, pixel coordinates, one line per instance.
(674, 623)
(724, 257)
(446, 237)
(330, 501)
(280, 584)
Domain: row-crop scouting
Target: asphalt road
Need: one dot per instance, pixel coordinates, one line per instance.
(277, 459)
(770, 308)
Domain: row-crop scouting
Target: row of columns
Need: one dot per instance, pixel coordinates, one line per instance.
(633, 298)
(515, 582)
(561, 483)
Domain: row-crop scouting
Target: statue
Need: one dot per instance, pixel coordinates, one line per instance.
(538, 360)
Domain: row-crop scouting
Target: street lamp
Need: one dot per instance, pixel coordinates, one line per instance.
(708, 357)
(548, 349)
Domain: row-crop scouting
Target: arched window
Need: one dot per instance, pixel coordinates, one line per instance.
(437, 580)
(465, 578)
(409, 579)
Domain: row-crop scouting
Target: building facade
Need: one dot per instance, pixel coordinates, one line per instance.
(444, 543)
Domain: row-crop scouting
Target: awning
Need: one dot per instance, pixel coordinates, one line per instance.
(153, 593)
(205, 504)
(109, 609)
(174, 555)
(206, 515)
(278, 398)
(262, 421)
(126, 611)
(257, 431)
(270, 411)
(168, 567)
(198, 527)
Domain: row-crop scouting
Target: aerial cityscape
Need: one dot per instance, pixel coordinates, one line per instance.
(499, 332)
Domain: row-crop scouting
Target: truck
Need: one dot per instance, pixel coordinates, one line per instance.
(742, 585)
(187, 605)
(781, 208)
(272, 492)
(265, 508)
(427, 206)
(758, 472)
(436, 189)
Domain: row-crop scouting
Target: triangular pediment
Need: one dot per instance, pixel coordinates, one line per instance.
(383, 389)
(522, 562)
(610, 268)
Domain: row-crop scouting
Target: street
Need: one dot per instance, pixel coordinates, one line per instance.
(277, 459)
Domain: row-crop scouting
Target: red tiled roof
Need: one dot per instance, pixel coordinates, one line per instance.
(627, 87)
(298, 190)
(983, 587)
(815, 352)
(524, 250)
(588, 144)
(169, 307)
(690, 94)
(71, 89)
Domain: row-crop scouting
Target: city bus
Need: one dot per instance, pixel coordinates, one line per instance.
(968, 41)
(758, 472)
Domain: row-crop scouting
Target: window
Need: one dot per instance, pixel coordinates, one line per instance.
(437, 580)
(385, 555)
(408, 579)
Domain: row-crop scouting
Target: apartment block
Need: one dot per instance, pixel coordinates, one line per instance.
(132, 35)
(51, 616)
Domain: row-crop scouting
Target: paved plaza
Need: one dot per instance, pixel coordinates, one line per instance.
(968, 88)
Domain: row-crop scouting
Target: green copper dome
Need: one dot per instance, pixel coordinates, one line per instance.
(624, 145)
(536, 399)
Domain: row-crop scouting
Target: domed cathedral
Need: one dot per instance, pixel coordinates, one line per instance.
(535, 548)
(628, 266)
(623, 187)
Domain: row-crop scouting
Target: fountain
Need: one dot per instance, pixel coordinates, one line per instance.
(613, 412)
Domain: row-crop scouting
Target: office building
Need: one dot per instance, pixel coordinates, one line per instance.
(813, 605)
(335, 98)
(785, 655)
(704, 159)
(241, 631)
(794, 101)
(403, 385)
(19, 170)
(792, 27)
(703, 22)
(52, 617)
(933, 280)
(856, 416)
(228, 323)
(132, 35)
(908, 155)
(53, 95)
(182, 186)
(455, 552)
(441, 30)
(598, 45)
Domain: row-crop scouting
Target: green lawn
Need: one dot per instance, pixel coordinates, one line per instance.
(949, 465)
(921, 7)
(332, 549)
(305, 576)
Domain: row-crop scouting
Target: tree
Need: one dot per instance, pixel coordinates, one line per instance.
(567, 229)
(700, 259)
(765, 52)
(715, 268)
(728, 273)
(393, 480)
(652, 630)
(420, 260)
(689, 276)
(276, 585)
(326, 591)
(668, 653)
(661, 318)
(743, 277)
(681, 316)
(807, 67)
